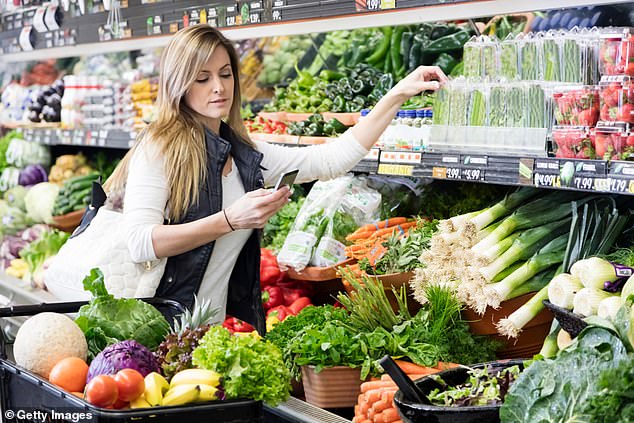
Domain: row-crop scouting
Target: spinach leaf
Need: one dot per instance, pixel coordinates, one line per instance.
(556, 391)
(615, 402)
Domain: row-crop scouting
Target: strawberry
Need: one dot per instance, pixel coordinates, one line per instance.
(626, 113)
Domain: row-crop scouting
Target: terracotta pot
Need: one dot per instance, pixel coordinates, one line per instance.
(333, 387)
(531, 338)
(69, 221)
(396, 280)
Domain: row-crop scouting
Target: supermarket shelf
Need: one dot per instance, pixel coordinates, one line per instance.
(313, 20)
(116, 139)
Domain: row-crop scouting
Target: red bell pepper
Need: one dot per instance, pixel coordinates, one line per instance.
(234, 325)
(270, 273)
(282, 312)
(299, 304)
(272, 297)
(293, 294)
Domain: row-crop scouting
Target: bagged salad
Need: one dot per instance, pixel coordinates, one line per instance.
(332, 210)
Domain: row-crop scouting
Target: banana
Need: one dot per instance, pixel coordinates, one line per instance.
(207, 393)
(140, 402)
(195, 376)
(155, 388)
(182, 394)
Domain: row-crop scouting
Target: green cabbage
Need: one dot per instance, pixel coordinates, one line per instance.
(39, 202)
(15, 197)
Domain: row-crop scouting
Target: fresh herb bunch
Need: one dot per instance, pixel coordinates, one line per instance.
(343, 224)
(485, 386)
(624, 256)
(280, 224)
(614, 403)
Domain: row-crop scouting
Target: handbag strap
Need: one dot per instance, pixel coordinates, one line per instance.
(97, 199)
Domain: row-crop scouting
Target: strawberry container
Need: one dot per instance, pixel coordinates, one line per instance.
(614, 143)
(577, 105)
(617, 99)
(574, 142)
(616, 54)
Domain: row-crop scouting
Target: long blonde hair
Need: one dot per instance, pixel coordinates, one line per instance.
(177, 130)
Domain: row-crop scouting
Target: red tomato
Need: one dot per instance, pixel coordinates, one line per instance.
(130, 384)
(120, 404)
(101, 391)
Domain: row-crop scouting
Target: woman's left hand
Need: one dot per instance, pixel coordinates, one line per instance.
(423, 78)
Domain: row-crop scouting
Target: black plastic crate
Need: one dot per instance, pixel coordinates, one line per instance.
(22, 390)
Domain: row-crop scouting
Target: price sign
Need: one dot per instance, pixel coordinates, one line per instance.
(231, 20)
(231, 9)
(255, 5)
(473, 174)
(279, 3)
(373, 4)
(395, 169)
(602, 184)
(446, 172)
(400, 157)
(620, 185)
(254, 18)
(546, 180)
(373, 155)
(584, 183)
(276, 15)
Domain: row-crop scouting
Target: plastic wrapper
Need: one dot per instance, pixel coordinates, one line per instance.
(551, 55)
(616, 56)
(459, 99)
(442, 106)
(573, 57)
(472, 57)
(497, 105)
(477, 105)
(577, 105)
(515, 106)
(617, 99)
(530, 57)
(574, 142)
(22, 153)
(400, 196)
(536, 113)
(490, 57)
(332, 210)
(614, 143)
(509, 58)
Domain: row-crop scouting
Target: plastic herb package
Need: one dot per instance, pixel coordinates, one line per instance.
(515, 105)
(490, 57)
(441, 106)
(497, 105)
(477, 105)
(509, 58)
(592, 39)
(536, 102)
(530, 57)
(574, 142)
(573, 57)
(459, 100)
(472, 57)
(551, 57)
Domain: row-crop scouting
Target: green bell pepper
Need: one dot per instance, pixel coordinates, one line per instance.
(442, 30)
(446, 62)
(339, 127)
(339, 104)
(452, 42)
(314, 129)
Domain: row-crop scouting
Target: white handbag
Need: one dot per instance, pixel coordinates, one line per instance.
(102, 244)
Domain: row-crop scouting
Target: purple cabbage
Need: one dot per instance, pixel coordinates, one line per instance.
(32, 174)
(127, 354)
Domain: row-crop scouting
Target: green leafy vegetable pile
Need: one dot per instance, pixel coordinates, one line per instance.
(251, 367)
(107, 320)
(614, 403)
(280, 224)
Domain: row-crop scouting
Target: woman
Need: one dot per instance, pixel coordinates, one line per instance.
(196, 166)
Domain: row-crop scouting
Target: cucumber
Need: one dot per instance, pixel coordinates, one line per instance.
(89, 177)
(80, 185)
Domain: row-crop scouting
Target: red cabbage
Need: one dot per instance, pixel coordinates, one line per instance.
(127, 354)
(32, 174)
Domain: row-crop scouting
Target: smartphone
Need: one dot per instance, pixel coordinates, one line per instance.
(287, 179)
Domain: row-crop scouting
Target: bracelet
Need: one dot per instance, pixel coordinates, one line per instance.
(227, 219)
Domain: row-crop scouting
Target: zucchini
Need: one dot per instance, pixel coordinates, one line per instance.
(80, 186)
(89, 177)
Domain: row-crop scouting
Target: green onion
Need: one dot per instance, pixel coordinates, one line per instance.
(562, 290)
(534, 284)
(504, 207)
(524, 246)
(550, 347)
(551, 254)
(544, 210)
(587, 300)
(513, 324)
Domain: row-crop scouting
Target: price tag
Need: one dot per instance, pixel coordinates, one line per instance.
(231, 20)
(388, 4)
(547, 180)
(276, 15)
(254, 18)
(584, 183)
(211, 12)
(373, 4)
(279, 3)
(174, 27)
(373, 154)
(395, 169)
(401, 157)
(619, 185)
(231, 9)
(255, 5)
(473, 174)
(445, 172)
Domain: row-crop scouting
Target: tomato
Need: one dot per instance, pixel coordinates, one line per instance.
(130, 384)
(120, 404)
(101, 391)
(69, 374)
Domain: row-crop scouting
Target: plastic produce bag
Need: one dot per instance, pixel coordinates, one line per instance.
(22, 153)
(330, 208)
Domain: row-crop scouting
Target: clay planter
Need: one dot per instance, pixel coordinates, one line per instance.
(396, 280)
(69, 221)
(333, 387)
(531, 338)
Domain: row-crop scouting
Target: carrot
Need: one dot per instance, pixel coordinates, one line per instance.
(388, 396)
(390, 415)
(412, 368)
(444, 366)
(368, 386)
(397, 229)
(431, 372)
(385, 377)
(379, 406)
(371, 414)
(359, 235)
(373, 395)
(363, 408)
(382, 224)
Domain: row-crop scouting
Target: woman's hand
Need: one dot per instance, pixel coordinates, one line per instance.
(423, 78)
(255, 208)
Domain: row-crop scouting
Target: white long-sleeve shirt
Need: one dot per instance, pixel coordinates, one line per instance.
(147, 194)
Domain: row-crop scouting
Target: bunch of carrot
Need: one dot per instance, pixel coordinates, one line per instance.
(376, 400)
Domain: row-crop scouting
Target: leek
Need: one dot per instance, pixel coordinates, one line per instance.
(587, 300)
(498, 249)
(593, 272)
(487, 231)
(551, 254)
(609, 307)
(503, 208)
(512, 268)
(550, 347)
(525, 245)
(513, 324)
(562, 290)
(534, 284)
(544, 210)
